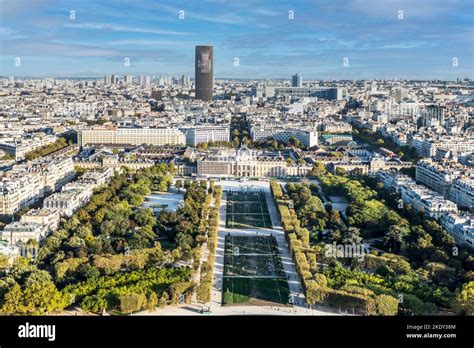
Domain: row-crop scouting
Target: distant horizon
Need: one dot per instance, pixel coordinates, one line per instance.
(98, 77)
(329, 39)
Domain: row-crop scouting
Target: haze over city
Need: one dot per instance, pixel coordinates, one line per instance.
(326, 39)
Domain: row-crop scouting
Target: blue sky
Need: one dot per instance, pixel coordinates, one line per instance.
(260, 34)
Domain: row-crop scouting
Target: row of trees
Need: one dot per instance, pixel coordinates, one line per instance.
(48, 149)
(203, 291)
(239, 130)
(205, 146)
(186, 227)
(316, 286)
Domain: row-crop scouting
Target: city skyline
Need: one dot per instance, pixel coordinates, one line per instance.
(323, 40)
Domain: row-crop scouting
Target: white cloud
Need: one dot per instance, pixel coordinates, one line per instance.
(124, 28)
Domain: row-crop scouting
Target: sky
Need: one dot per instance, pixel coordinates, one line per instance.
(265, 39)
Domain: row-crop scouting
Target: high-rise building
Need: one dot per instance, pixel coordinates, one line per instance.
(185, 80)
(204, 72)
(297, 80)
(157, 94)
(143, 80)
(128, 79)
(132, 136)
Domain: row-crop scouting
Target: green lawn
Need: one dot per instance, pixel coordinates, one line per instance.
(250, 244)
(253, 271)
(247, 210)
(255, 291)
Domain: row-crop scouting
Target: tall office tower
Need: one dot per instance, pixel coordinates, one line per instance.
(157, 94)
(147, 80)
(128, 79)
(113, 79)
(297, 80)
(185, 80)
(204, 73)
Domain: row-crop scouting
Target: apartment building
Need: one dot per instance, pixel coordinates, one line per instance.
(457, 145)
(422, 199)
(76, 194)
(460, 227)
(18, 191)
(328, 93)
(38, 223)
(25, 184)
(68, 201)
(367, 166)
(130, 136)
(48, 217)
(22, 232)
(308, 138)
(462, 192)
(438, 176)
(204, 134)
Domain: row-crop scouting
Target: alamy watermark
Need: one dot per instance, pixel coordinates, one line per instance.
(336, 250)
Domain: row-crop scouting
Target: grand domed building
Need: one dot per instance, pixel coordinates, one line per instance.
(245, 162)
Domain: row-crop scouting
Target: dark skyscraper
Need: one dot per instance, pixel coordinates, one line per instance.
(204, 76)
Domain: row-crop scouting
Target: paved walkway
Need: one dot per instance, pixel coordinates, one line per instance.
(294, 281)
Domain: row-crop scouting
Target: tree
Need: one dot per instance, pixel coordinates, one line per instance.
(334, 219)
(295, 142)
(132, 302)
(312, 211)
(386, 305)
(145, 217)
(184, 240)
(464, 301)
(39, 296)
(94, 303)
(318, 169)
(351, 236)
(395, 236)
(13, 301)
(152, 302)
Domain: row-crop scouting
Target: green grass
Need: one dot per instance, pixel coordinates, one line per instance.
(253, 271)
(247, 210)
(250, 244)
(255, 291)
